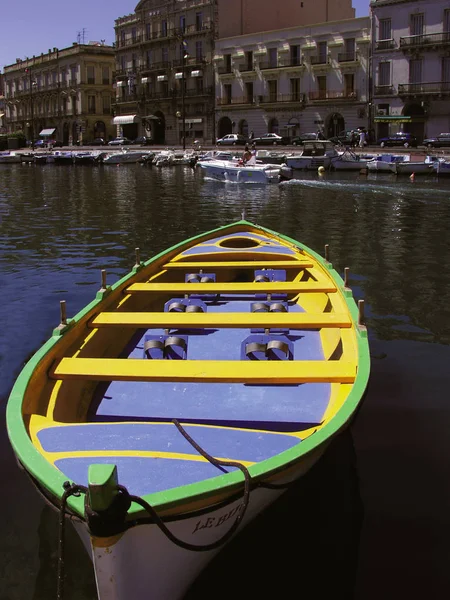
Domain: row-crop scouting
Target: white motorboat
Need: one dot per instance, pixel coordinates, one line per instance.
(125, 157)
(418, 167)
(236, 171)
(164, 158)
(443, 167)
(9, 157)
(349, 161)
(315, 154)
(386, 163)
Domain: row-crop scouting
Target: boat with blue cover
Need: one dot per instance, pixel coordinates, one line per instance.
(185, 399)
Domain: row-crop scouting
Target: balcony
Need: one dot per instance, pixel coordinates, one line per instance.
(191, 61)
(319, 60)
(281, 64)
(279, 98)
(207, 91)
(384, 90)
(237, 100)
(439, 88)
(191, 30)
(130, 41)
(430, 41)
(321, 95)
(225, 70)
(347, 57)
(158, 66)
(385, 44)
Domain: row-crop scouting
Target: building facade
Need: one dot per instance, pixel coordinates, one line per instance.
(164, 75)
(411, 66)
(2, 106)
(239, 17)
(68, 90)
(296, 80)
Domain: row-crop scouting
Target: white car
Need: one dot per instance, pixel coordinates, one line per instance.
(232, 139)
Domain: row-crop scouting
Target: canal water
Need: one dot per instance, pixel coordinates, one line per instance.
(371, 520)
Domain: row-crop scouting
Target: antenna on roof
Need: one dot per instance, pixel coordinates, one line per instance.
(81, 36)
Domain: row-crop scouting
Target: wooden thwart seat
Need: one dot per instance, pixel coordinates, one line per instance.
(196, 320)
(205, 371)
(278, 287)
(239, 264)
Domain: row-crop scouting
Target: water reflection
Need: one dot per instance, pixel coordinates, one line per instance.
(59, 226)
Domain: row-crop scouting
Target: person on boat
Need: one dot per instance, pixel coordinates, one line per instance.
(362, 138)
(246, 155)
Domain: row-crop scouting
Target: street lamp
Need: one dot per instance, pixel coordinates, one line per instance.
(184, 55)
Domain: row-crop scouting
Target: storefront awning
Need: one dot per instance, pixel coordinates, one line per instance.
(126, 119)
(120, 83)
(145, 79)
(196, 73)
(45, 132)
(162, 78)
(2, 115)
(150, 118)
(178, 75)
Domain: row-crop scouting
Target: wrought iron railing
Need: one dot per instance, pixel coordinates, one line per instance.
(384, 90)
(437, 87)
(425, 39)
(333, 95)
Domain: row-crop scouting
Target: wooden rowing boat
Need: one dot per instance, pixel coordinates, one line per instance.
(185, 398)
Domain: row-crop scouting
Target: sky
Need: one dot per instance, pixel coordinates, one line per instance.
(33, 26)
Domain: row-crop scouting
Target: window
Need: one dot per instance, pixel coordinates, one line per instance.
(148, 31)
(417, 24)
(249, 92)
(106, 105)
(273, 57)
(350, 48)
(73, 75)
(322, 51)
(105, 76)
(349, 85)
(384, 74)
(163, 28)
(295, 55)
(122, 38)
(198, 21)
(295, 89)
(415, 70)
(148, 58)
(199, 50)
(183, 23)
(91, 105)
(54, 77)
(63, 78)
(133, 61)
(322, 86)
(446, 72)
(273, 126)
(249, 61)
(90, 72)
(227, 60)
(199, 84)
(447, 20)
(273, 90)
(227, 93)
(385, 29)
(133, 35)
(165, 55)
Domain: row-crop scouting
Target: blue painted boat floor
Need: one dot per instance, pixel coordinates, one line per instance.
(230, 404)
(143, 474)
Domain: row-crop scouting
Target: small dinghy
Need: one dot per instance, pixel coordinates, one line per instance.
(185, 398)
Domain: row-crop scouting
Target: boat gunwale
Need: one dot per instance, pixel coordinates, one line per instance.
(52, 479)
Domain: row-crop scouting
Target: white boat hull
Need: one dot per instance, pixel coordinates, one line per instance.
(308, 163)
(348, 165)
(10, 158)
(408, 168)
(226, 171)
(144, 564)
(381, 166)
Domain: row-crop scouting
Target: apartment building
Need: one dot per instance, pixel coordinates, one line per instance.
(68, 91)
(164, 75)
(411, 66)
(296, 80)
(2, 106)
(240, 17)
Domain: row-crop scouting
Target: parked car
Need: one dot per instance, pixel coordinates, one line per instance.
(441, 141)
(398, 139)
(298, 140)
(96, 142)
(119, 141)
(143, 140)
(232, 139)
(270, 138)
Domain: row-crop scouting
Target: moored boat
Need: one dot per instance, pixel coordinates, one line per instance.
(349, 161)
(315, 154)
(184, 400)
(386, 163)
(237, 172)
(7, 158)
